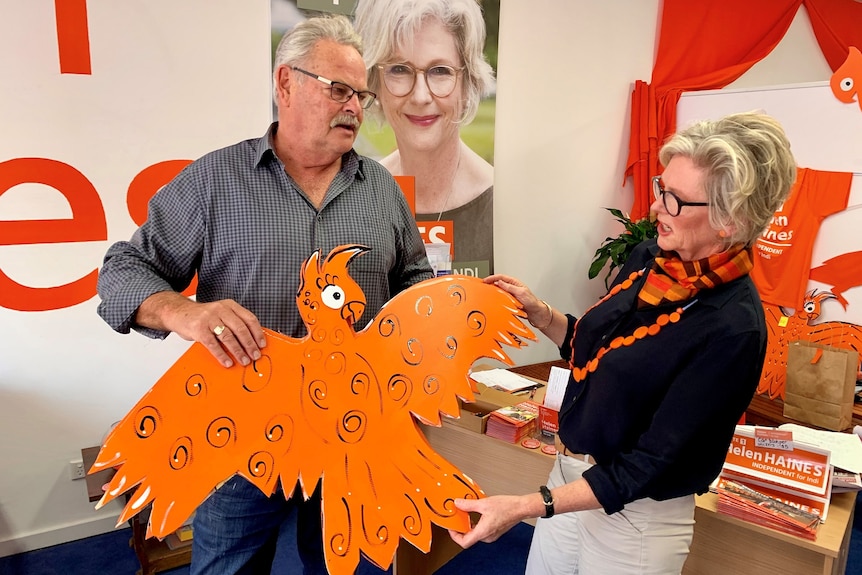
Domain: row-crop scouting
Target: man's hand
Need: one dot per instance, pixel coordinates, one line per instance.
(228, 330)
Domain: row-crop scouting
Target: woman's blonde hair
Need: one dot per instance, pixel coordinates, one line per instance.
(386, 25)
(748, 167)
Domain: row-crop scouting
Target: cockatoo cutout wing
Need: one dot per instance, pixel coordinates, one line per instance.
(434, 332)
(199, 425)
(337, 405)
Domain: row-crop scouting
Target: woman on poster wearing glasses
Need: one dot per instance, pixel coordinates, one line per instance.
(426, 64)
(662, 367)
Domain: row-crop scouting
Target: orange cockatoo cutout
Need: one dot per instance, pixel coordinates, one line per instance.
(846, 81)
(783, 329)
(336, 404)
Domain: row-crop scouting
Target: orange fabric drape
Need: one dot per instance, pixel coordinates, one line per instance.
(837, 24)
(704, 45)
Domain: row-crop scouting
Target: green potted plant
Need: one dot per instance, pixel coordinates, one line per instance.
(616, 250)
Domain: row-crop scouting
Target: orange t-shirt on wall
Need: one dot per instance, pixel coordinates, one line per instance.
(782, 255)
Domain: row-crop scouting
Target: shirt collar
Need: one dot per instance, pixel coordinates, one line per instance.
(351, 162)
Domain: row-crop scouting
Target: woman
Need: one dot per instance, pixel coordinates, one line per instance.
(425, 62)
(663, 366)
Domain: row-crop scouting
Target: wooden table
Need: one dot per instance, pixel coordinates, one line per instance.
(721, 544)
(770, 413)
(724, 544)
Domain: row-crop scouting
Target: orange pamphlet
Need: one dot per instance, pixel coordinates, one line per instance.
(514, 422)
(739, 500)
(518, 415)
(806, 467)
(771, 480)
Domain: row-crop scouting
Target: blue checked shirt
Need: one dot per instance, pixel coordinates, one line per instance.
(237, 219)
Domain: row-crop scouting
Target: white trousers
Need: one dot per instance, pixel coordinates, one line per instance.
(646, 537)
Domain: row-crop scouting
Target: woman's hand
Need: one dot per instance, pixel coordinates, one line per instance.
(534, 307)
(540, 314)
(499, 514)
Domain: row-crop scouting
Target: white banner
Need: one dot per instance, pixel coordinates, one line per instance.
(101, 103)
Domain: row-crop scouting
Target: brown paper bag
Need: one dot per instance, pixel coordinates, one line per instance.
(820, 383)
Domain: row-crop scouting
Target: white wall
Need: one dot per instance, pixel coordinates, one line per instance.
(565, 77)
(566, 71)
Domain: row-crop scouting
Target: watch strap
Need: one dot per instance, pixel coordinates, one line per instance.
(548, 500)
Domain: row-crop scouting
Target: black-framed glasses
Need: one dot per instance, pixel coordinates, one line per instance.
(671, 201)
(400, 79)
(341, 92)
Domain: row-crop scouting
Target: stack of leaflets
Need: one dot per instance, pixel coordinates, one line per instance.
(513, 423)
(843, 481)
(773, 481)
(738, 500)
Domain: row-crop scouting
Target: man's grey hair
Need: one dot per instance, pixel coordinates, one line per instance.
(297, 43)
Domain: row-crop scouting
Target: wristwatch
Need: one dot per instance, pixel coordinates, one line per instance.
(548, 499)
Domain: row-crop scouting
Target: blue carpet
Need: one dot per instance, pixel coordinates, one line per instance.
(110, 554)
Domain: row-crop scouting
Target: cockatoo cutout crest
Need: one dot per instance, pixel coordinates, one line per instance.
(336, 405)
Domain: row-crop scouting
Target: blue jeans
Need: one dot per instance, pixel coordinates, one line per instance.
(237, 530)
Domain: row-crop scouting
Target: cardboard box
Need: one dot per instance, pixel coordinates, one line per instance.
(474, 416)
(487, 400)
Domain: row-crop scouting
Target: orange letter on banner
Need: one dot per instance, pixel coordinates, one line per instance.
(408, 188)
(149, 181)
(73, 36)
(87, 224)
(437, 233)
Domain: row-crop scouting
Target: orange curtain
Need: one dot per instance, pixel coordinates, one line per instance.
(703, 45)
(837, 25)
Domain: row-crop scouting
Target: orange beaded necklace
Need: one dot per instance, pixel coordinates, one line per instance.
(669, 280)
(580, 373)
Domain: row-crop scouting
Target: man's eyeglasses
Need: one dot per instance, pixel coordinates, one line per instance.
(341, 92)
(671, 201)
(400, 79)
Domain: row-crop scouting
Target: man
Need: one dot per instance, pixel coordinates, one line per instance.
(245, 218)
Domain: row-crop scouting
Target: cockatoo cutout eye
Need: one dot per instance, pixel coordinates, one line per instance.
(846, 84)
(332, 296)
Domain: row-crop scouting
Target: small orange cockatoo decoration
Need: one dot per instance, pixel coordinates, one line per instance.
(784, 329)
(846, 81)
(336, 404)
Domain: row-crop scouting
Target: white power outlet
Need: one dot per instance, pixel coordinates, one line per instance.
(76, 469)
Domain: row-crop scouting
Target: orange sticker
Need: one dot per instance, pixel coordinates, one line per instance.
(531, 443)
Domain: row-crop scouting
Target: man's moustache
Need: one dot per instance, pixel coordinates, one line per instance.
(344, 120)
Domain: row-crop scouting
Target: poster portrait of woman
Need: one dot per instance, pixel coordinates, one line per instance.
(428, 62)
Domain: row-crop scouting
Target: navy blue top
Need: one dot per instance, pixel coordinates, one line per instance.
(659, 415)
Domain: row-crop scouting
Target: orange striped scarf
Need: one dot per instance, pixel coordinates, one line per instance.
(672, 280)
